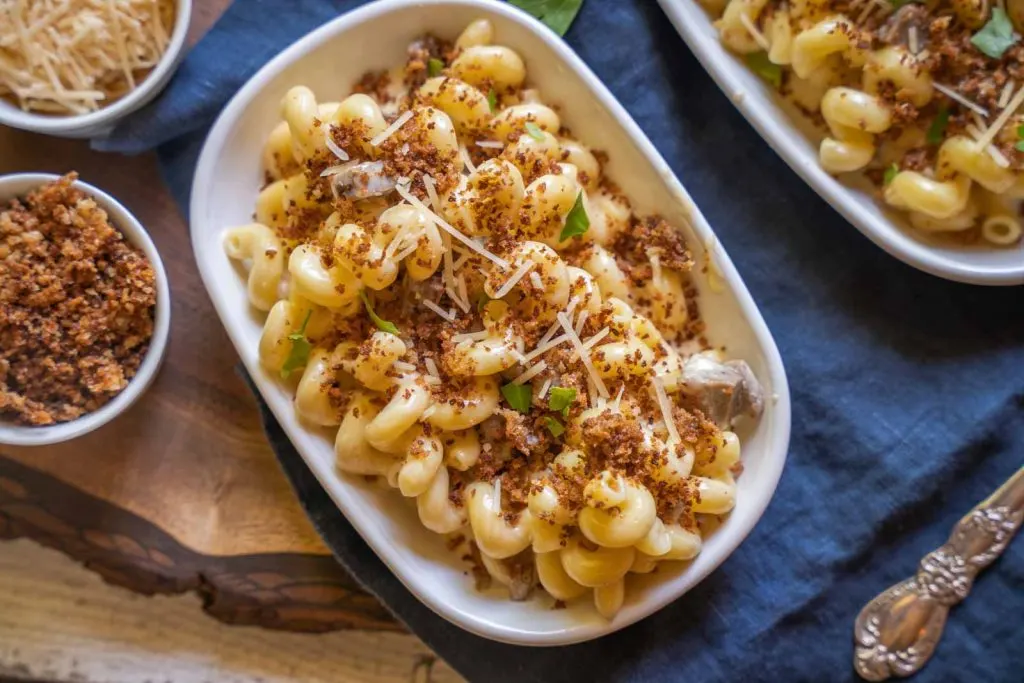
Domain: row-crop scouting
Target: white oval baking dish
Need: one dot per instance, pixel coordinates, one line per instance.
(225, 186)
(796, 141)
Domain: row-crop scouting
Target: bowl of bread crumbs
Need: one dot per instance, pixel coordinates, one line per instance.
(73, 68)
(84, 308)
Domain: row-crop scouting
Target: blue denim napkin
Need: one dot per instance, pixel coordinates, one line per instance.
(908, 391)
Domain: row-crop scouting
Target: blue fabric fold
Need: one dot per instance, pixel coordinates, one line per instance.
(908, 391)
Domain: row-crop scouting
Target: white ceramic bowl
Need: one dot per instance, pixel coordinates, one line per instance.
(99, 122)
(228, 176)
(20, 184)
(796, 141)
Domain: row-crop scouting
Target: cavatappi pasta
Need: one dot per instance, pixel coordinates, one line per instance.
(452, 285)
(923, 96)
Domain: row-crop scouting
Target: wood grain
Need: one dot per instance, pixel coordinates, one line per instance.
(59, 623)
(186, 471)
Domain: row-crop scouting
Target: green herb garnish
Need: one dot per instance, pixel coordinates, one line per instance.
(890, 173)
(298, 356)
(577, 222)
(556, 14)
(937, 131)
(482, 301)
(561, 398)
(492, 100)
(434, 67)
(534, 131)
(383, 325)
(765, 68)
(900, 3)
(996, 36)
(519, 396)
(1020, 138)
(554, 426)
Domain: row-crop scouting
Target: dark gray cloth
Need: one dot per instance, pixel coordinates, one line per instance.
(908, 391)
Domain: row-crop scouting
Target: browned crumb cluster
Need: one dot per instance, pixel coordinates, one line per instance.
(76, 306)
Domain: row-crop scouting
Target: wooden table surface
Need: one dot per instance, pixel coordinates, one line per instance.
(181, 493)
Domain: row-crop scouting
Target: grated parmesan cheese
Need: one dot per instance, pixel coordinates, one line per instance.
(75, 56)
(998, 157)
(518, 275)
(530, 373)
(391, 130)
(1004, 117)
(470, 336)
(536, 281)
(584, 355)
(431, 367)
(754, 32)
(957, 97)
(335, 149)
(1004, 96)
(431, 187)
(490, 144)
(581, 321)
(403, 191)
(666, 410)
(467, 162)
(544, 388)
(447, 315)
(913, 41)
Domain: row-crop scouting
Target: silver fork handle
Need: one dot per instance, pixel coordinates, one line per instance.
(896, 633)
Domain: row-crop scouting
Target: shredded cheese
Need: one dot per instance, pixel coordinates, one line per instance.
(470, 336)
(434, 381)
(544, 348)
(391, 130)
(957, 97)
(335, 149)
(666, 410)
(403, 366)
(431, 367)
(584, 355)
(974, 131)
(998, 156)
(754, 32)
(1004, 117)
(447, 315)
(868, 10)
(335, 170)
(518, 275)
(536, 281)
(75, 56)
(431, 187)
(581, 321)
(490, 144)
(617, 403)
(403, 192)
(530, 373)
(591, 342)
(912, 39)
(544, 388)
(1004, 96)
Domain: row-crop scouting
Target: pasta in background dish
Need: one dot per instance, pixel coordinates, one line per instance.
(923, 96)
(452, 285)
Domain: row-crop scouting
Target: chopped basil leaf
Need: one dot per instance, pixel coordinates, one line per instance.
(519, 396)
(534, 131)
(556, 14)
(554, 426)
(890, 173)
(577, 222)
(434, 67)
(383, 325)
(765, 68)
(937, 131)
(996, 36)
(492, 100)
(561, 398)
(298, 356)
(1020, 135)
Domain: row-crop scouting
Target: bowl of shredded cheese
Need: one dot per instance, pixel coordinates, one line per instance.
(73, 68)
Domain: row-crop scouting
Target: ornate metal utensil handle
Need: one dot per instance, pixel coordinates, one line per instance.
(896, 633)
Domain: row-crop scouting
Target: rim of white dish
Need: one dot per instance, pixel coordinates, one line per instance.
(11, 115)
(719, 64)
(16, 185)
(362, 518)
